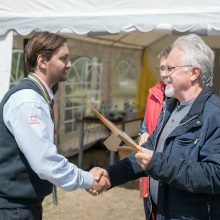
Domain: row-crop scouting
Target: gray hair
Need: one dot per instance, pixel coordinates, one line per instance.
(197, 53)
(164, 53)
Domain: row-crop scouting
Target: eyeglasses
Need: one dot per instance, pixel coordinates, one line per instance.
(162, 68)
(170, 69)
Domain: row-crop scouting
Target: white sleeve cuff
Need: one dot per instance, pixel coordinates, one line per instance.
(88, 179)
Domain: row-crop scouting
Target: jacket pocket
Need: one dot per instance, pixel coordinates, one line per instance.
(185, 146)
(187, 139)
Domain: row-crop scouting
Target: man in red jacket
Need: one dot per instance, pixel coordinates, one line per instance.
(154, 105)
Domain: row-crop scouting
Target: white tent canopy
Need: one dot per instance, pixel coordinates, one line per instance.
(101, 16)
(112, 22)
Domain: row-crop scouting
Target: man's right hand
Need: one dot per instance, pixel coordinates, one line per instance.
(101, 181)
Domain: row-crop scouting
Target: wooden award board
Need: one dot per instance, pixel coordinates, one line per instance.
(116, 131)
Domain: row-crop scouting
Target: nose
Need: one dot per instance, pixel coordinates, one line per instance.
(165, 73)
(165, 77)
(69, 65)
(168, 72)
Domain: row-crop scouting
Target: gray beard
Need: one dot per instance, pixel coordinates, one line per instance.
(169, 92)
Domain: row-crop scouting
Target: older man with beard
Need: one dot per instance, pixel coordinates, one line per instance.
(182, 156)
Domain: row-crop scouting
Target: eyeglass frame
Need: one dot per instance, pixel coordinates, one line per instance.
(170, 69)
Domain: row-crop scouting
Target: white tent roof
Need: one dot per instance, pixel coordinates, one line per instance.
(84, 16)
(95, 19)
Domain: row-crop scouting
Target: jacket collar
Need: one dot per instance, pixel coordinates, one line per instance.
(199, 103)
(193, 118)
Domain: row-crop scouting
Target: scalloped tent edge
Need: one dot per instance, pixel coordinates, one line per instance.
(125, 23)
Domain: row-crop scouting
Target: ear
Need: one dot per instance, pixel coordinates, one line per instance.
(41, 62)
(195, 73)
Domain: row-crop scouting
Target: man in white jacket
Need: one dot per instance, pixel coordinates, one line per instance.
(29, 161)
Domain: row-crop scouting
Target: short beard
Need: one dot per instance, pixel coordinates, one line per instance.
(169, 92)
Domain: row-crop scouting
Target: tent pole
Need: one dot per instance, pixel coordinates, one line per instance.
(6, 44)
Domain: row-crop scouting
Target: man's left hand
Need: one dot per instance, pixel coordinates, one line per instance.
(143, 158)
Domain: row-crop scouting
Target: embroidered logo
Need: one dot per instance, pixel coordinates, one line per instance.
(34, 120)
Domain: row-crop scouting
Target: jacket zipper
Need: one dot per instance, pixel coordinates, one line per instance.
(156, 138)
(154, 147)
(195, 116)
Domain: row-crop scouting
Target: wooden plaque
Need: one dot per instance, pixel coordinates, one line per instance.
(116, 131)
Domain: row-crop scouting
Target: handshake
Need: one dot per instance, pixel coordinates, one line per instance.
(101, 177)
(101, 181)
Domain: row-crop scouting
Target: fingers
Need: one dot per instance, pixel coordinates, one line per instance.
(101, 181)
(99, 186)
(143, 138)
(92, 192)
(144, 158)
(98, 172)
(140, 156)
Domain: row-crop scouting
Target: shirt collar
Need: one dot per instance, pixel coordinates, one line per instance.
(50, 92)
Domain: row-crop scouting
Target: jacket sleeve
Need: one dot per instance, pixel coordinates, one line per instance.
(143, 127)
(201, 176)
(124, 170)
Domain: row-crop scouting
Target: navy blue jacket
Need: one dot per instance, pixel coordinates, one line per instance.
(189, 167)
